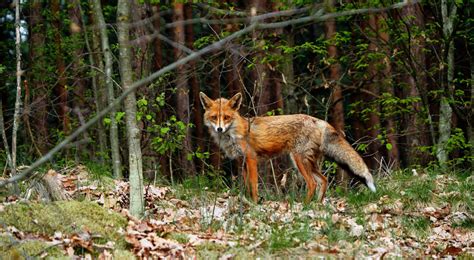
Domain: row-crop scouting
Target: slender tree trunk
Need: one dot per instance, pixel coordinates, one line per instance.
(182, 90)
(374, 118)
(141, 62)
(337, 100)
(215, 86)
(4, 137)
(158, 61)
(288, 75)
(130, 104)
(415, 131)
(76, 31)
(158, 57)
(40, 90)
(16, 116)
(114, 136)
(385, 78)
(259, 74)
(61, 68)
(101, 135)
(470, 119)
(446, 111)
(194, 83)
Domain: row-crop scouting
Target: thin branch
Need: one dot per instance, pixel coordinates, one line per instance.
(318, 17)
(163, 38)
(205, 20)
(218, 11)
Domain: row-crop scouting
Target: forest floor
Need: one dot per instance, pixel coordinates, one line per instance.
(413, 214)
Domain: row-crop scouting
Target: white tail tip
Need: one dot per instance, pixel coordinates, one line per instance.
(371, 186)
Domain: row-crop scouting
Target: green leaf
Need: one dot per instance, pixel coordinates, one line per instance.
(164, 130)
(107, 121)
(389, 146)
(189, 156)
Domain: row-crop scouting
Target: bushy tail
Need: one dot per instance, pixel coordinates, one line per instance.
(336, 147)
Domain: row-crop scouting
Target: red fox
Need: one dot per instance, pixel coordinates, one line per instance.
(305, 138)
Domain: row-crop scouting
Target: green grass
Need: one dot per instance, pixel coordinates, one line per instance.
(284, 237)
(416, 226)
(466, 223)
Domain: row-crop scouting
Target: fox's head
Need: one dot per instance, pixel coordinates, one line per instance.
(220, 113)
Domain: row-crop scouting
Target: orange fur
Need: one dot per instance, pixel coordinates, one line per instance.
(305, 138)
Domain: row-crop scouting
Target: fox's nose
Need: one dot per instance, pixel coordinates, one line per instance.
(219, 129)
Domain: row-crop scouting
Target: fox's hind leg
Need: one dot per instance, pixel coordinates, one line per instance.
(302, 165)
(314, 162)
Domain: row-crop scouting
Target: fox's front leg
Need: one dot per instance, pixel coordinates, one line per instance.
(250, 171)
(252, 177)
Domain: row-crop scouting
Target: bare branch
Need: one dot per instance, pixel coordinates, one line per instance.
(318, 17)
(218, 11)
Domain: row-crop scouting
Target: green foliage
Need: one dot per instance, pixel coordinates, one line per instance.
(169, 135)
(211, 181)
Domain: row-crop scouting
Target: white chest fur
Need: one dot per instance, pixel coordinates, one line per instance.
(229, 143)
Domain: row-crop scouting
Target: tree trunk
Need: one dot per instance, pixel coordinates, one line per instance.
(16, 115)
(385, 79)
(259, 74)
(76, 31)
(288, 74)
(470, 132)
(194, 83)
(374, 118)
(37, 80)
(215, 86)
(96, 81)
(415, 131)
(446, 111)
(337, 100)
(114, 136)
(182, 90)
(61, 90)
(130, 104)
(158, 57)
(141, 63)
(158, 61)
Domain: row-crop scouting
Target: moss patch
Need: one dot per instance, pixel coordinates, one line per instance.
(67, 217)
(12, 249)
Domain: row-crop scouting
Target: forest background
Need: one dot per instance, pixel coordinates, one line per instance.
(396, 78)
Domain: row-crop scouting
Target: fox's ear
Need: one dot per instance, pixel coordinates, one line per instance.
(236, 101)
(205, 100)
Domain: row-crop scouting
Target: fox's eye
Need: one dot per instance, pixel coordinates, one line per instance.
(226, 117)
(213, 118)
